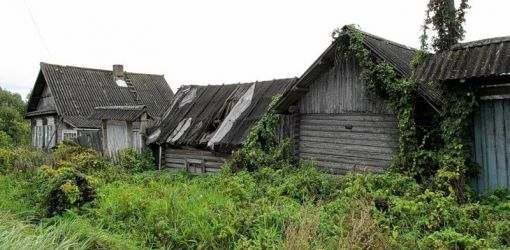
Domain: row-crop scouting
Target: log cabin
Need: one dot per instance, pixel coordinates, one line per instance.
(205, 123)
(64, 98)
(337, 125)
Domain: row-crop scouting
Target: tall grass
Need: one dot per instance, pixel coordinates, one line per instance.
(65, 233)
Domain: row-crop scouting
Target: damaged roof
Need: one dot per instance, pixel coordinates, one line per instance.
(216, 116)
(486, 58)
(77, 91)
(397, 55)
(118, 113)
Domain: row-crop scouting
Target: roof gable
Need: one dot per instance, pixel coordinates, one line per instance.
(397, 55)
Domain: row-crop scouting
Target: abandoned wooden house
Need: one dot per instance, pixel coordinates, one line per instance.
(337, 125)
(484, 64)
(64, 98)
(205, 123)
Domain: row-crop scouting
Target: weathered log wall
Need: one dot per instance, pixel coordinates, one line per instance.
(194, 160)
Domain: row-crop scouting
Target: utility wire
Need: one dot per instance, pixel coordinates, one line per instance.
(37, 28)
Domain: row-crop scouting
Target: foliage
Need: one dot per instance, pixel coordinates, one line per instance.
(437, 156)
(13, 127)
(293, 208)
(61, 189)
(446, 22)
(261, 148)
(66, 233)
(134, 162)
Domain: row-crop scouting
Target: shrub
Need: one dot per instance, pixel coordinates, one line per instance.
(62, 189)
(70, 155)
(134, 162)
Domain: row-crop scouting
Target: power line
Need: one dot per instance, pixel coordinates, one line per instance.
(37, 28)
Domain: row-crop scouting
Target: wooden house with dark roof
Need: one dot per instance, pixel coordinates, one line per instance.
(64, 98)
(336, 125)
(484, 64)
(205, 123)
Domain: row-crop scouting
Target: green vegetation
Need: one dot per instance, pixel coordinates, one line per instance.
(14, 130)
(272, 208)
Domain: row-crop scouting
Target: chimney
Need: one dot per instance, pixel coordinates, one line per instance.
(118, 72)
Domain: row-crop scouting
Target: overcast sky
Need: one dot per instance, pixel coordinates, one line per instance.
(204, 42)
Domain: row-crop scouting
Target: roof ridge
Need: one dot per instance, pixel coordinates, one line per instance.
(95, 69)
(239, 83)
(403, 46)
(481, 42)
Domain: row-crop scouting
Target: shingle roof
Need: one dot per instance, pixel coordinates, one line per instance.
(197, 112)
(397, 55)
(118, 113)
(483, 58)
(77, 91)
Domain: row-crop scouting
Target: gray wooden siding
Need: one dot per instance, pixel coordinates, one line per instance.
(327, 141)
(46, 101)
(177, 158)
(340, 90)
(492, 144)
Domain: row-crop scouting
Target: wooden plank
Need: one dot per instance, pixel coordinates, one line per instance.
(336, 140)
(348, 153)
(374, 130)
(491, 144)
(351, 117)
(366, 123)
(348, 136)
(348, 160)
(506, 118)
(499, 125)
(345, 148)
(477, 183)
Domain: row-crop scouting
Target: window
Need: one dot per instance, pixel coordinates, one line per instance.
(69, 134)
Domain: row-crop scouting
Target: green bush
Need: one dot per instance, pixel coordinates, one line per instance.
(62, 189)
(134, 162)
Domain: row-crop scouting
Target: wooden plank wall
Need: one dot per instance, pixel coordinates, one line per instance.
(174, 158)
(340, 143)
(492, 144)
(341, 90)
(342, 129)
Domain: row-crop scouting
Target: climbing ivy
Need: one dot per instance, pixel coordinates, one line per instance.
(261, 147)
(437, 156)
(447, 23)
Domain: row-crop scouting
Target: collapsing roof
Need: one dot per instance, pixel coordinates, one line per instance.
(487, 59)
(218, 117)
(397, 55)
(77, 91)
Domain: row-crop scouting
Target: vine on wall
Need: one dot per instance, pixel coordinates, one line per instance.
(437, 156)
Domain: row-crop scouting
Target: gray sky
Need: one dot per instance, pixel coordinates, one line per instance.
(204, 42)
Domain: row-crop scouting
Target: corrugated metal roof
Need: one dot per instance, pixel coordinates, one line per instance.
(478, 59)
(118, 113)
(197, 111)
(77, 91)
(397, 55)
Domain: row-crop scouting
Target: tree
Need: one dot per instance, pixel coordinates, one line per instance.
(13, 128)
(446, 22)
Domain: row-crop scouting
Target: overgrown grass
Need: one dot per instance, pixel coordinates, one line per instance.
(287, 208)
